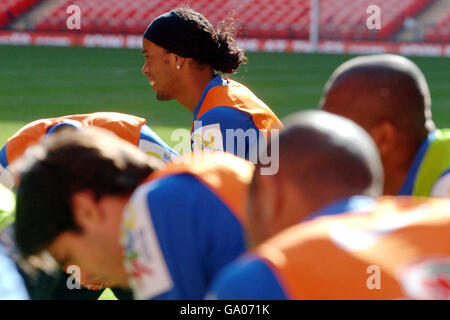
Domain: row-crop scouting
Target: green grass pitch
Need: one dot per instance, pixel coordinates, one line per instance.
(40, 82)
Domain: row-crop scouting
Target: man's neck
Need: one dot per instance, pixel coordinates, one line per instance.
(395, 175)
(193, 89)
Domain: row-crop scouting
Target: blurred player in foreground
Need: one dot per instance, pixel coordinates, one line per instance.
(22, 277)
(334, 244)
(131, 128)
(182, 52)
(165, 239)
(12, 286)
(388, 96)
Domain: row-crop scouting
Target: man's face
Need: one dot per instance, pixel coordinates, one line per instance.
(275, 203)
(96, 250)
(159, 70)
(259, 212)
(97, 261)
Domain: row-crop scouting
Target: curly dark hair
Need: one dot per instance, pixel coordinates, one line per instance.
(214, 47)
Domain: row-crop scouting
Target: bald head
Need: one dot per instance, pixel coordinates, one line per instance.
(329, 156)
(323, 158)
(383, 87)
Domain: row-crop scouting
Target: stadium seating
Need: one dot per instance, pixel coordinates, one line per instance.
(440, 32)
(336, 23)
(11, 9)
(343, 19)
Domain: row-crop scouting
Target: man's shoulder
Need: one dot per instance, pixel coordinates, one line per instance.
(433, 178)
(249, 278)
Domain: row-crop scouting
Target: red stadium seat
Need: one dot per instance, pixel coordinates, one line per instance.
(11, 9)
(440, 32)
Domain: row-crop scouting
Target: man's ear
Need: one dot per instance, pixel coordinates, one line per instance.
(85, 209)
(273, 197)
(385, 136)
(179, 61)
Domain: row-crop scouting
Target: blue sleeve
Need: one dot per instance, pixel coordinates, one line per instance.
(147, 141)
(197, 233)
(12, 286)
(3, 157)
(65, 123)
(6, 177)
(247, 278)
(232, 119)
